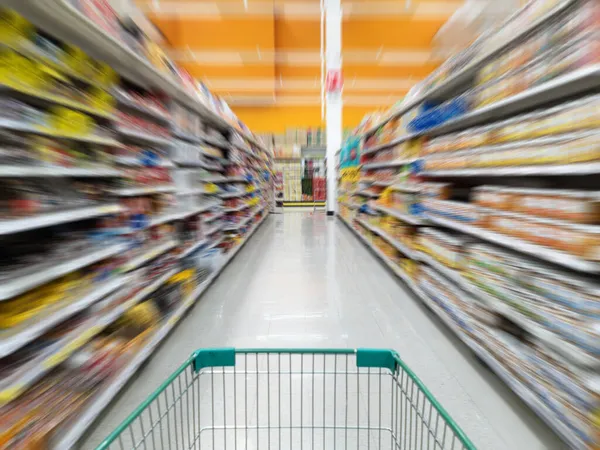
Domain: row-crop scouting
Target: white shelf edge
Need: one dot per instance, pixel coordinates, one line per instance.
(554, 256)
(392, 143)
(35, 171)
(36, 326)
(155, 114)
(588, 168)
(142, 136)
(563, 86)
(396, 244)
(27, 128)
(193, 248)
(408, 218)
(10, 226)
(130, 192)
(384, 164)
(149, 255)
(234, 194)
(21, 284)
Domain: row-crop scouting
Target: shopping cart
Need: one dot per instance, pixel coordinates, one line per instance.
(290, 399)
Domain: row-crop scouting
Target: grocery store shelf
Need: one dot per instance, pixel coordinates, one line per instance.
(407, 187)
(304, 203)
(239, 225)
(394, 242)
(385, 164)
(192, 248)
(194, 191)
(70, 434)
(225, 145)
(58, 351)
(135, 162)
(215, 243)
(452, 274)
(68, 24)
(22, 127)
(388, 262)
(367, 194)
(235, 194)
(559, 88)
(131, 192)
(186, 137)
(34, 171)
(532, 400)
(463, 76)
(49, 271)
(545, 253)
(408, 218)
(146, 138)
(149, 255)
(350, 205)
(238, 208)
(11, 226)
(16, 337)
(393, 142)
(150, 112)
(209, 167)
(168, 218)
(239, 179)
(215, 217)
(377, 183)
(48, 98)
(588, 168)
(213, 229)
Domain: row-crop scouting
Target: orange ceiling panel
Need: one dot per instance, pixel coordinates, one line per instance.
(375, 71)
(211, 71)
(374, 32)
(230, 33)
(297, 34)
(289, 71)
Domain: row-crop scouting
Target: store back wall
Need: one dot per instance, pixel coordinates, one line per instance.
(275, 119)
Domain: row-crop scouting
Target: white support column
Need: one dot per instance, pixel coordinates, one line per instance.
(333, 101)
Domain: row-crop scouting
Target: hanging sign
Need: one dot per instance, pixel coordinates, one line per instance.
(334, 81)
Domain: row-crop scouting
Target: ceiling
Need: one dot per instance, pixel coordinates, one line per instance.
(268, 52)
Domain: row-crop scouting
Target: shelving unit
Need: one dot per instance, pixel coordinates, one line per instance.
(480, 228)
(166, 176)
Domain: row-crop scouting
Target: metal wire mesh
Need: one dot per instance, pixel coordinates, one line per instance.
(290, 401)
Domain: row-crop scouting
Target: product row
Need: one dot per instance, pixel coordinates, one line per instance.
(537, 323)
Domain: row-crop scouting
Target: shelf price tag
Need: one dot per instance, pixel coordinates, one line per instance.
(71, 123)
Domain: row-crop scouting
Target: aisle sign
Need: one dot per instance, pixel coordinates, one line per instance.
(334, 81)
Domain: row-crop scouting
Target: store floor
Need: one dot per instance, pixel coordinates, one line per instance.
(304, 280)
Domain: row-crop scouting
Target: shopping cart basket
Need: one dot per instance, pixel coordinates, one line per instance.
(290, 399)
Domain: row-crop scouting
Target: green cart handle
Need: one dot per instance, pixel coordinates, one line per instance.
(225, 357)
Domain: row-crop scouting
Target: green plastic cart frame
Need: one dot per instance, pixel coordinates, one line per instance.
(286, 399)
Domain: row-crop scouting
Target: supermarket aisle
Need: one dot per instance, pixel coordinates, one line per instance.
(304, 280)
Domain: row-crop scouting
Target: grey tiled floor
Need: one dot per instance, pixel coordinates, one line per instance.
(304, 280)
